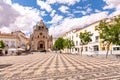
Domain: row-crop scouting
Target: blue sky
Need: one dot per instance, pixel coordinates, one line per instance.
(75, 9)
(59, 16)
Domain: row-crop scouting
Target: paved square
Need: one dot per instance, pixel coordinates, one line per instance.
(53, 66)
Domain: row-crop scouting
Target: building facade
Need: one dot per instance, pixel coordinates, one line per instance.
(14, 41)
(24, 41)
(95, 46)
(11, 42)
(40, 39)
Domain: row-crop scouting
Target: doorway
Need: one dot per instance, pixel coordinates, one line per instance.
(41, 45)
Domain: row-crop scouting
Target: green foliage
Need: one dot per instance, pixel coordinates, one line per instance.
(59, 44)
(110, 32)
(68, 43)
(117, 30)
(2, 45)
(85, 37)
(106, 32)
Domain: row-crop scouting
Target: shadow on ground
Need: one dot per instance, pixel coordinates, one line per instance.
(4, 65)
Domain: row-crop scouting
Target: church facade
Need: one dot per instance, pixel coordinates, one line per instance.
(40, 39)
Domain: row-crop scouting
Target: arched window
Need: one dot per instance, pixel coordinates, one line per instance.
(40, 33)
(43, 36)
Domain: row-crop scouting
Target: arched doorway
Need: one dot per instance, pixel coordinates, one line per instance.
(41, 45)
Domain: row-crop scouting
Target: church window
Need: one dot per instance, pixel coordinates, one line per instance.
(40, 33)
(39, 27)
(43, 36)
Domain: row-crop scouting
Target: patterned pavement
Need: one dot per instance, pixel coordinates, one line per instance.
(52, 66)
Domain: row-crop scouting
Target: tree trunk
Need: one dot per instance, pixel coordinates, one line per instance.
(107, 50)
(70, 51)
(111, 51)
(60, 51)
(81, 50)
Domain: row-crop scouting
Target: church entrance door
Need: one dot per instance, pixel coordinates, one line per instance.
(41, 45)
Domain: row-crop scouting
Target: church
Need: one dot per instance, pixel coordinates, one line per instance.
(40, 39)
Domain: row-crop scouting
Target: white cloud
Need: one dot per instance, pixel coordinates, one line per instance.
(5, 30)
(112, 4)
(56, 18)
(68, 2)
(23, 18)
(96, 10)
(84, 12)
(88, 10)
(7, 14)
(42, 13)
(44, 5)
(70, 23)
(64, 9)
(52, 13)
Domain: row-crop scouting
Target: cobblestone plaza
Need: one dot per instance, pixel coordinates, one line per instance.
(55, 66)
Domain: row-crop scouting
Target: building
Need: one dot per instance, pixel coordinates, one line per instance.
(40, 39)
(14, 41)
(95, 46)
(11, 42)
(24, 41)
(72, 36)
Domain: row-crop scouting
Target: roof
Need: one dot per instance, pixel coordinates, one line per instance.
(9, 35)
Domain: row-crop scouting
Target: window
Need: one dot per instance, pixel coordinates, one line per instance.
(6, 43)
(75, 49)
(39, 28)
(40, 33)
(116, 48)
(96, 48)
(43, 36)
(86, 48)
(76, 35)
(12, 44)
(72, 49)
(76, 43)
(96, 38)
(72, 37)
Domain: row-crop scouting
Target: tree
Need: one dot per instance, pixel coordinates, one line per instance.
(109, 32)
(68, 44)
(85, 38)
(2, 44)
(117, 30)
(59, 44)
